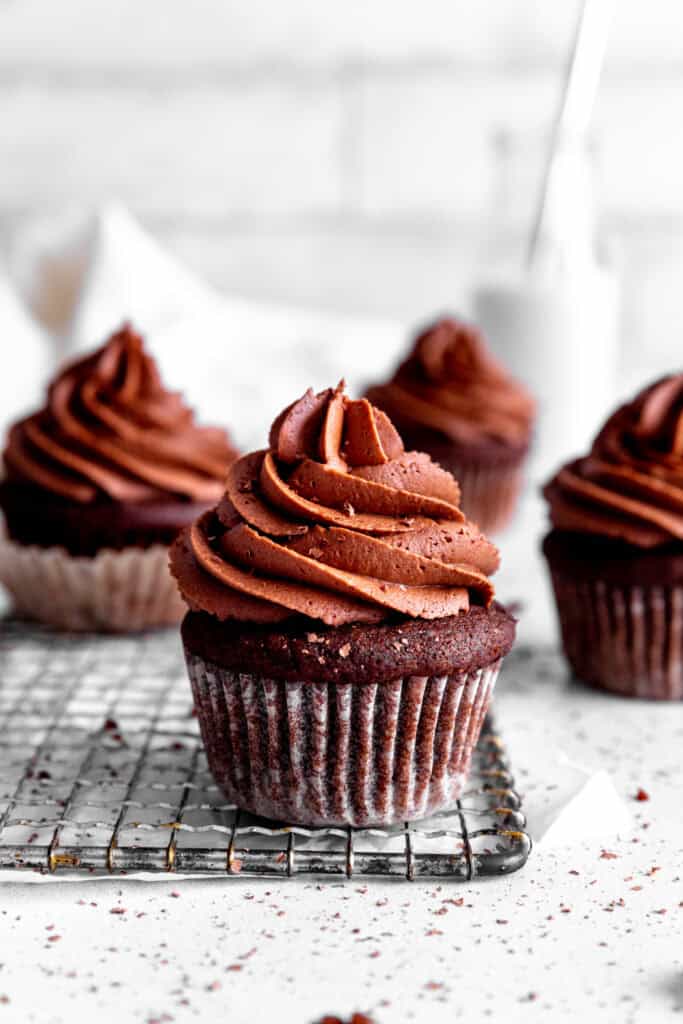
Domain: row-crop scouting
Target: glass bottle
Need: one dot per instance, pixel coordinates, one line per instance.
(551, 317)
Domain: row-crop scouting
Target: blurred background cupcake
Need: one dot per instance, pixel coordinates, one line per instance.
(97, 484)
(615, 550)
(342, 640)
(452, 399)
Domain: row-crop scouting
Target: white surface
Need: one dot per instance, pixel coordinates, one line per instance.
(550, 943)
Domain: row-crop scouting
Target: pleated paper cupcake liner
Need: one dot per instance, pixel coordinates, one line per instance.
(340, 753)
(626, 639)
(116, 591)
(488, 493)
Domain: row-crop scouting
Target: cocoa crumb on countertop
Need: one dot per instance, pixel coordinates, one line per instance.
(355, 1018)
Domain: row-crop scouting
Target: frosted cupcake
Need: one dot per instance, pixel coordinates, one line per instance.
(97, 485)
(342, 640)
(615, 551)
(452, 399)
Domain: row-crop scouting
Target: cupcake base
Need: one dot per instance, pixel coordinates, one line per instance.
(336, 726)
(85, 529)
(115, 591)
(340, 753)
(620, 613)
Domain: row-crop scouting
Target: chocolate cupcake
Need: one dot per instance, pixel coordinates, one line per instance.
(342, 640)
(451, 399)
(615, 551)
(97, 485)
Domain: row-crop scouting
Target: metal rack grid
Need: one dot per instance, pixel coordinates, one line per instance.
(102, 771)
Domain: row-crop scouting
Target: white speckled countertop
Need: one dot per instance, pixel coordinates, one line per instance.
(588, 928)
(591, 930)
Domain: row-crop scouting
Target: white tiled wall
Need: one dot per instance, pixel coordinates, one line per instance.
(335, 153)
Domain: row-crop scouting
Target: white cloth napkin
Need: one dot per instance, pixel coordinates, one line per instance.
(238, 362)
(27, 357)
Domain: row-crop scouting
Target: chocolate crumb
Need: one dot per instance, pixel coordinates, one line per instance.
(355, 1018)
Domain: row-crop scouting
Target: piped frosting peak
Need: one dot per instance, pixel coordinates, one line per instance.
(452, 384)
(630, 485)
(110, 430)
(337, 522)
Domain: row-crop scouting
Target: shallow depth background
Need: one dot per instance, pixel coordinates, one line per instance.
(337, 154)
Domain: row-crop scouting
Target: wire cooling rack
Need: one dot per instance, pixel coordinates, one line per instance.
(102, 771)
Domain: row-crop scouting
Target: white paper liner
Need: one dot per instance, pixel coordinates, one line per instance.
(340, 753)
(115, 591)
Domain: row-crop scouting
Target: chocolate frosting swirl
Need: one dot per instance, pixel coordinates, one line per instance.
(451, 383)
(337, 522)
(630, 486)
(110, 430)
